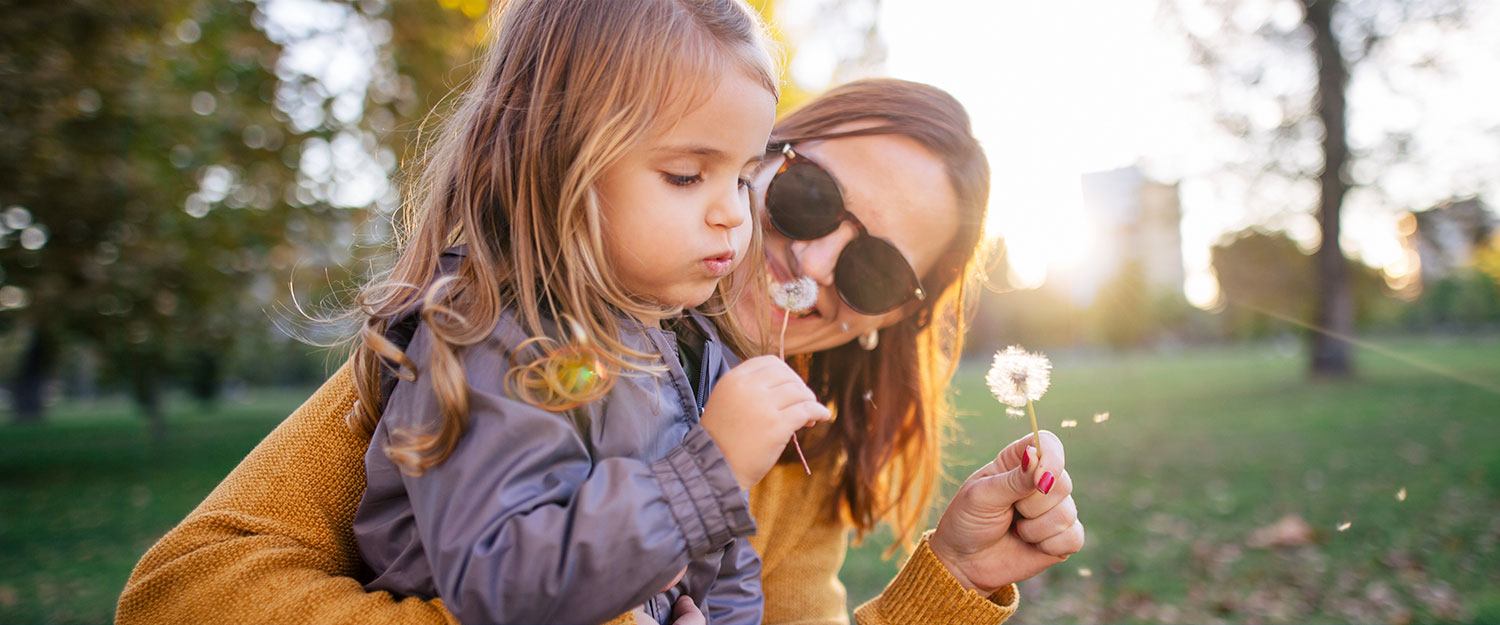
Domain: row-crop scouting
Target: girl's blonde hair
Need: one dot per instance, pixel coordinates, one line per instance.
(566, 88)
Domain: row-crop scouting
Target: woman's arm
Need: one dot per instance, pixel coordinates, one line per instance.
(802, 547)
(273, 542)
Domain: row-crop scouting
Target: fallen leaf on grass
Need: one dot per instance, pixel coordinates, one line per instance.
(1290, 531)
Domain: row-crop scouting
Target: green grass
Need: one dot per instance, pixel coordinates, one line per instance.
(1202, 448)
(85, 494)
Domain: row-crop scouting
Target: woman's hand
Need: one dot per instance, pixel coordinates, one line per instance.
(753, 412)
(1011, 519)
(684, 612)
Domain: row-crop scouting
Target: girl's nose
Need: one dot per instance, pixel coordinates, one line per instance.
(817, 258)
(729, 209)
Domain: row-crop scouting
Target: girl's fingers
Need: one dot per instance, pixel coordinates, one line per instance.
(808, 412)
(1051, 488)
(1053, 522)
(1065, 543)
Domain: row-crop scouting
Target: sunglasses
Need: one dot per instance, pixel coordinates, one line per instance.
(804, 203)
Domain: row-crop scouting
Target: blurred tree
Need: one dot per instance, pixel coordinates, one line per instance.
(1263, 276)
(142, 181)
(1280, 79)
(1267, 280)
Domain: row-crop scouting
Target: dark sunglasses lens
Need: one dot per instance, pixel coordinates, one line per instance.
(804, 202)
(873, 277)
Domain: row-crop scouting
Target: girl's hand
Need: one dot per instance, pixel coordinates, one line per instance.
(1001, 527)
(753, 412)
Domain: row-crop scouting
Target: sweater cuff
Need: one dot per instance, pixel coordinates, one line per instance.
(925, 592)
(705, 499)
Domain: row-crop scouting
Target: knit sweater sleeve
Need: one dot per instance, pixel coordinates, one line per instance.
(273, 542)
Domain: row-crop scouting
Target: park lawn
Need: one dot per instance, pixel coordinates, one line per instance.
(1204, 447)
(1201, 448)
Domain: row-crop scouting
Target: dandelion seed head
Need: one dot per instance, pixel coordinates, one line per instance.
(796, 296)
(1401, 495)
(1101, 417)
(1070, 423)
(1345, 525)
(1018, 377)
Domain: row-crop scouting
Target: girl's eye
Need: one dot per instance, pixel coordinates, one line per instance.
(745, 183)
(682, 181)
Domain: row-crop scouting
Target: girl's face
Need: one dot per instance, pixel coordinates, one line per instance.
(677, 208)
(899, 190)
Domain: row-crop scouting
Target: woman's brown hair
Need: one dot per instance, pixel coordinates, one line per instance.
(565, 89)
(890, 440)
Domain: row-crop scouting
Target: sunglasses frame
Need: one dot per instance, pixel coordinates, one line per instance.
(791, 157)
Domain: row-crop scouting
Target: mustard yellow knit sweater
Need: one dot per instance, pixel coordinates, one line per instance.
(273, 543)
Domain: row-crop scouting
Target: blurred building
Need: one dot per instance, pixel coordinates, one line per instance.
(1139, 221)
(1445, 237)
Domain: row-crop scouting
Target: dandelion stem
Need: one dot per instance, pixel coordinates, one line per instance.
(1036, 436)
(781, 351)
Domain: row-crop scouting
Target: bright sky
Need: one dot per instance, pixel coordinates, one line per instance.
(1056, 89)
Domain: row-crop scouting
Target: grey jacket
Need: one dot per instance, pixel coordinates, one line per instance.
(525, 523)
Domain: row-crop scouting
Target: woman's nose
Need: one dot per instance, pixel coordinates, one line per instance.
(817, 258)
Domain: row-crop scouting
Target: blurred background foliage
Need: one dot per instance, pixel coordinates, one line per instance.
(186, 183)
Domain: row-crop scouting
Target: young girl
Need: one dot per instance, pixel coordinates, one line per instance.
(545, 445)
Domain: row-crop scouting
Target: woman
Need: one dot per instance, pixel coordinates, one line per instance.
(877, 192)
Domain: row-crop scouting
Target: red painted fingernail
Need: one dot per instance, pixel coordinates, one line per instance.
(1026, 459)
(1046, 484)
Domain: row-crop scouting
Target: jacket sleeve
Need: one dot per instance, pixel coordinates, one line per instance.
(519, 525)
(272, 543)
(736, 596)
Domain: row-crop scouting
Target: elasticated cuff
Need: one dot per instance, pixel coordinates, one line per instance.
(703, 494)
(925, 592)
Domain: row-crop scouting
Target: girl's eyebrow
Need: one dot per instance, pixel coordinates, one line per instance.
(709, 153)
(694, 150)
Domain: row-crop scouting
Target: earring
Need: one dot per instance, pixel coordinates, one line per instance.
(869, 340)
(844, 326)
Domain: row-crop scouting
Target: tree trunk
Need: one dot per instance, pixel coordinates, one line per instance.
(148, 396)
(31, 377)
(1335, 299)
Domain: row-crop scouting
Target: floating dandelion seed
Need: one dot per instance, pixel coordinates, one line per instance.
(1345, 525)
(1401, 495)
(1101, 417)
(1014, 412)
(1069, 423)
(797, 296)
(1085, 572)
(1017, 378)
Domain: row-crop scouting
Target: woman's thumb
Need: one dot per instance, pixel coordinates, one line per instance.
(998, 492)
(685, 612)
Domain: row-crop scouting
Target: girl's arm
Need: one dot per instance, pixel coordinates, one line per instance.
(272, 543)
(519, 525)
